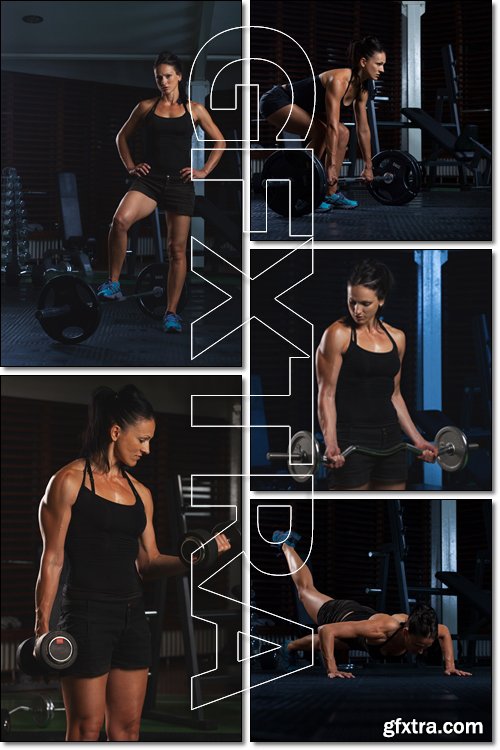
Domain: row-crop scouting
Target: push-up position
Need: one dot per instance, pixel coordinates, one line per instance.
(344, 624)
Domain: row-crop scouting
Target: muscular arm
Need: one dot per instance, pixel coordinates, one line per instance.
(446, 645)
(202, 118)
(54, 519)
(328, 364)
(126, 132)
(372, 629)
(151, 563)
(335, 90)
(363, 129)
(404, 419)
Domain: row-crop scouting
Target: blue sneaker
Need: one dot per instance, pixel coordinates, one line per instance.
(289, 538)
(172, 323)
(323, 208)
(110, 290)
(285, 660)
(338, 200)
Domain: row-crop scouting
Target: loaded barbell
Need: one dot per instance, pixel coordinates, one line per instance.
(305, 456)
(69, 310)
(200, 547)
(42, 710)
(295, 180)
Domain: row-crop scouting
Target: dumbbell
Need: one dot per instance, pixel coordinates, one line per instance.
(201, 543)
(42, 710)
(53, 651)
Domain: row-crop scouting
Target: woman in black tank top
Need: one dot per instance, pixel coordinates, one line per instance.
(329, 97)
(358, 366)
(100, 520)
(344, 624)
(163, 179)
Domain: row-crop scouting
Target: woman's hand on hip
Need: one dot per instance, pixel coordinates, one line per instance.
(140, 170)
(188, 174)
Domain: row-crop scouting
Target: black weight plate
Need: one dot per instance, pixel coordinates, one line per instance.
(153, 275)
(407, 178)
(79, 310)
(308, 183)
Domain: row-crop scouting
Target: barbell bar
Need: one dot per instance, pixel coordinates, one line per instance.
(304, 456)
(69, 310)
(295, 180)
(42, 710)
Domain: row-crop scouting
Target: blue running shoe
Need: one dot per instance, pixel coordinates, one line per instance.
(338, 200)
(285, 659)
(110, 290)
(286, 537)
(323, 208)
(172, 323)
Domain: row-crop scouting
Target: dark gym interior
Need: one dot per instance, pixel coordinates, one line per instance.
(42, 422)
(455, 50)
(385, 554)
(464, 297)
(83, 87)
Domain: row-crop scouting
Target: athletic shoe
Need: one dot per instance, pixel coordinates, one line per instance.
(284, 537)
(286, 660)
(172, 323)
(110, 290)
(338, 200)
(323, 208)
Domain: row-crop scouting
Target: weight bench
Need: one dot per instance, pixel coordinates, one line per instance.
(78, 246)
(466, 149)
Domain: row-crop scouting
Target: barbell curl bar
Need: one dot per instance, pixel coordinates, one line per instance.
(295, 181)
(304, 456)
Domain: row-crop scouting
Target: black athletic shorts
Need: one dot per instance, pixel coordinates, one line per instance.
(273, 100)
(335, 610)
(170, 192)
(108, 634)
(359, 468)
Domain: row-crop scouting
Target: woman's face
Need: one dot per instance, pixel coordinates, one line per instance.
(363, 304)
(373, 66)
(132, 442)
(417, 644)
(167, 79)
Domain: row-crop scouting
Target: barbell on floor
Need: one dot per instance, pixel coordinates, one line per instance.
(304, 455)
(295, 180)
(42, 710)
(69, 310)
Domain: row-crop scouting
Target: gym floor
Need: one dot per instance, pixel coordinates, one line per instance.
(307, 706)
(125, 336)
(437, 215)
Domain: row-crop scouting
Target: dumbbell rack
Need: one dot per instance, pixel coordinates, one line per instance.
(15, 245)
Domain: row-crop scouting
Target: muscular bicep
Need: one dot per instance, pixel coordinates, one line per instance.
(55, 514)
(133, 122)
(204, 120)
(400, 340)
(329, 359)
(360, 114)
(335, 90)
(370, 629)
(148, 548)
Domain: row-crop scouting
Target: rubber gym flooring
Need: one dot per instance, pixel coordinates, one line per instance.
(125, 336)
(223, 718)
(307, 706)
(438, 215)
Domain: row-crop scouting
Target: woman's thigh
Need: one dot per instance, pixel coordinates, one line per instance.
(125, 693)
(178, 227)
(135, 206)
(296, 119)
(85, 702)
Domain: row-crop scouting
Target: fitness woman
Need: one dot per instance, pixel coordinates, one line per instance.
(337, 90)
(344, 624)
(164, 179)
(358, 367)
(100, 519)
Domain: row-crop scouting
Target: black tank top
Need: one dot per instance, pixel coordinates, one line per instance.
(365, 386)
(167, 142)
(102, 544)
(303, 92)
